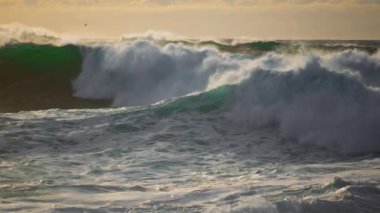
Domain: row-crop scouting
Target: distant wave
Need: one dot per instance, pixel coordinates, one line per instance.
(19, 33)
(16, 33)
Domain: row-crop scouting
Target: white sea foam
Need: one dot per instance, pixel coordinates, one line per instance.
(141, 72)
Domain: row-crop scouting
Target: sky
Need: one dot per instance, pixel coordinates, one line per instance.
(260, 19)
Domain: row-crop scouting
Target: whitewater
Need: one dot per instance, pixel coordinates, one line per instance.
(147, 123)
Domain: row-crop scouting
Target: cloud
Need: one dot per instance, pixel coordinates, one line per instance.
(30, 1)
(178, 2)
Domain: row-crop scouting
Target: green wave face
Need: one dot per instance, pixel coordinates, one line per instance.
(34, 77)
(39, 58)
(204, 103)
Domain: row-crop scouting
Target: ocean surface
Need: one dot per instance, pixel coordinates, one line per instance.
(147, 124)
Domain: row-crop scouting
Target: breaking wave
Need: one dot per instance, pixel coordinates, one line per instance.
(330, 100)
(325, 98)
(313, 105)
(142, 73)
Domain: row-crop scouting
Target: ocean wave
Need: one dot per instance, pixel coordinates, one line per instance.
(318, 99)
(143, 73)
(348, 198)
(354, 197)
(127, 66)
(313, 105)
(329, 99)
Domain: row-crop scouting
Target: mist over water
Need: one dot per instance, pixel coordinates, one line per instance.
(193, 126)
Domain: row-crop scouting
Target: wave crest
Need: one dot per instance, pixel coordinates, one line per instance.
(314, 105)
(142, 73)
